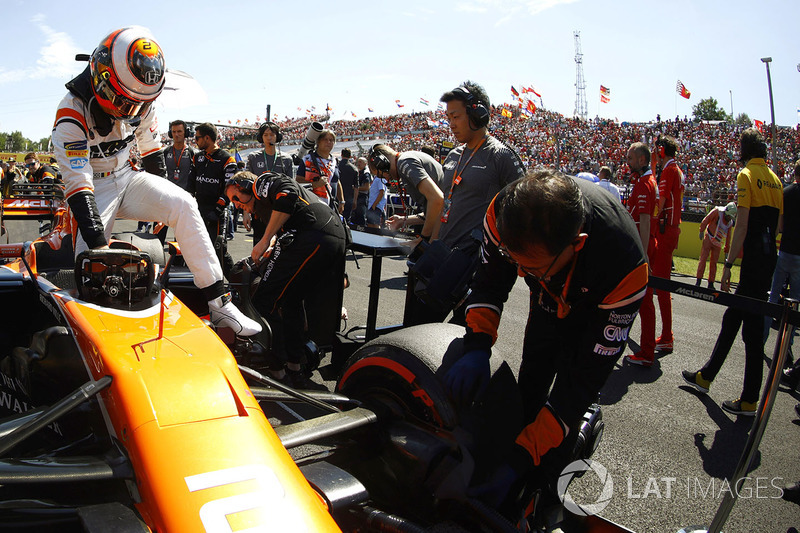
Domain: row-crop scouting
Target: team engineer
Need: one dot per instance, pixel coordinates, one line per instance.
(303, 242)
(558, 233)
(109, 109)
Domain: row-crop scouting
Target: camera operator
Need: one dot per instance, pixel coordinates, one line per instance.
(303, 242)
(318, 167)
(579, 252)
(348, 184)
(359, 216)
(421, 173)
(213, 166)
(270, 159)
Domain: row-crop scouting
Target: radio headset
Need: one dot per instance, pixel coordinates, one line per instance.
(378, 160)
(188, 132)
(275, 129)
(477, 110)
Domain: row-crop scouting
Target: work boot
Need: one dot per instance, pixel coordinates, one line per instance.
(224, 314)
(697, 283)
(711, 285)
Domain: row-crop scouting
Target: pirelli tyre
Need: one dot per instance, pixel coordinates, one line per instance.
(402, 371)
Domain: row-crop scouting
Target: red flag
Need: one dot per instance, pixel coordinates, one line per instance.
(681, 89)
(399, 104)
(531, 106)
(604, 99)
(759, 125)
(532, 89)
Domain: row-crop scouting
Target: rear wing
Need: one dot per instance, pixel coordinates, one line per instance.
(33, 201)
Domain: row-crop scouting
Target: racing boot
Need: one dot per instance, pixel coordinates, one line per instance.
(224, 314)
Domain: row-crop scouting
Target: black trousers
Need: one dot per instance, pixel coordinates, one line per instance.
(301, 264)
(755, 280)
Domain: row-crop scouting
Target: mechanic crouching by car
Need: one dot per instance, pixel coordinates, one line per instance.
(303, 243)
(578, 250)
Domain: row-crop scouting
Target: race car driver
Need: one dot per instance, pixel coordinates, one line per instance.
(579, 252)
(304, 245)
(107, 110)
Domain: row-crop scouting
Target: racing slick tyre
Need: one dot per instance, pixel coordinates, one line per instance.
(402, 369)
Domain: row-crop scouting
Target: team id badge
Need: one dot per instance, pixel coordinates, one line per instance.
(446, 209)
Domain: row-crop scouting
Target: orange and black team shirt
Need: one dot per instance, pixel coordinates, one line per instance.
(604, 292)
(276, 192)
(211, 171)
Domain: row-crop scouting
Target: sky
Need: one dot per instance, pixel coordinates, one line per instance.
(355, 55)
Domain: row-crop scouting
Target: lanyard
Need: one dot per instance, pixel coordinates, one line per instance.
(274, 160)
(178, 159)
(563, 306)
(457, 174)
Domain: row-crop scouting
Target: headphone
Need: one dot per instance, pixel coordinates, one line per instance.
(378, 160)
(477, 109)
(274, 127)
(187, 131)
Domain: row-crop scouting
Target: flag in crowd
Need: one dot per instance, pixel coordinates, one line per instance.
(759, 125)
(681, 89)
(506, 113)
(370, 110)
(354, 115)
(328, 107)
(605, 94)
(514, 91)
(531, 89)
(399, 104)
(440, 107)
(424, 102)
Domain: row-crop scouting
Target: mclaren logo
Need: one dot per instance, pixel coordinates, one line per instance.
(26, 203)
(696, 294)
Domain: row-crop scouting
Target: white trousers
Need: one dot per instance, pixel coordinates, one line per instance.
(137, 195)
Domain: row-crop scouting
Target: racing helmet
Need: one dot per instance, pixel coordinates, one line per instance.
(730, 210)
(128, 72)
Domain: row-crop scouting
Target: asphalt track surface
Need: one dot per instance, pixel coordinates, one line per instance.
(667, 449)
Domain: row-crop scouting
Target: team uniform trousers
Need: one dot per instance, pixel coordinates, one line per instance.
(137, 195)
(760, 191)
(667, 243)
(299, 265)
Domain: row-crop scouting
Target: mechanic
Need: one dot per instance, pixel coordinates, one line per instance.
(37, 172)
(670, 204)
(579, 252)
(303, 243)
(107, 111)
(268, 160)
(179, 160)
(421, 174)
(473, 173)
(212, 167)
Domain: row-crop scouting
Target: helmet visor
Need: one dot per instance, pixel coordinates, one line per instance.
(116, 104)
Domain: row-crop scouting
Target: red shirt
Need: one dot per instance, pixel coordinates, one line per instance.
(670, 187)
(643, 200)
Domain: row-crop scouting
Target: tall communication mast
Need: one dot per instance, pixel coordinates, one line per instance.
(580, 85)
